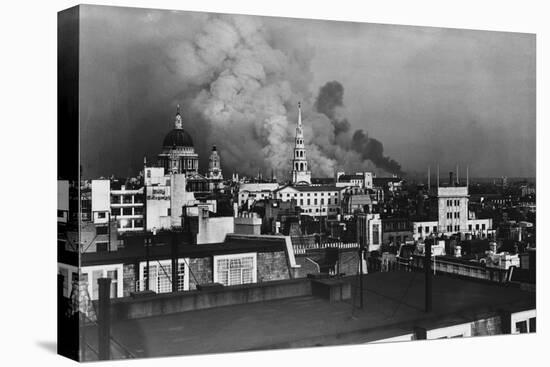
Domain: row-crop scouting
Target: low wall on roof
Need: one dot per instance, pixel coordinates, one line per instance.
(169, 303)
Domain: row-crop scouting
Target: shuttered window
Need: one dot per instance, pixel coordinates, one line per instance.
(235, 269)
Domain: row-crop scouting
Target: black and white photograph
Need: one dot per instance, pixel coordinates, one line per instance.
(247, 183)
(274, 184)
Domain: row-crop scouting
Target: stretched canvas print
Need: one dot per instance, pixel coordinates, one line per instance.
(233, 182)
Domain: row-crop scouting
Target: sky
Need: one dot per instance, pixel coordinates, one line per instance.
(384, 98)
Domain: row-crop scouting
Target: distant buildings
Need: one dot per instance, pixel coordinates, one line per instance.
(453, 216)
(315, 201)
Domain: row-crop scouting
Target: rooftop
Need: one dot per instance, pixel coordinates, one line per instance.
(311, 188)
(394, 304)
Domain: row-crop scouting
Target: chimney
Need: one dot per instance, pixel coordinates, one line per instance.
(451, 183)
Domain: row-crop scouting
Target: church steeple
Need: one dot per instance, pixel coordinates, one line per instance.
(300, 171)
(300, 114)
(178, 123)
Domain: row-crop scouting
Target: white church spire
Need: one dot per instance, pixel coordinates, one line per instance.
(300, 171)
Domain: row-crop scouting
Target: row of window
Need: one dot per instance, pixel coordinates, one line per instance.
(477, 227)
(323, 210)
(426, 229)
(308, 194)
(451, 215)
(302, 166)
(388, 226)
(130, 223)
(453, 202)
(126, 199)
(322, 202)
(138, 210)
(523, 327)
(450, 228)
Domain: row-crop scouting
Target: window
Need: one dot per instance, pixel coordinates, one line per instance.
(235, 269)
(60, 214)
(483, 226)
(101, 215)
(322, 201)
(314, 201)
(102, 230)
(420, 230)
(521, 327)
(102, 246)
(533, 325)
(308, 202)
(335, 201)
(168, 211)
(427, 229)
(328, 201)
(127, 199)
(126, 211)
(90, 275)
(301, 201)
(113, 274)
(435, 229)
(160, 280)
(477, 227)
(469, 227)
(375, 234)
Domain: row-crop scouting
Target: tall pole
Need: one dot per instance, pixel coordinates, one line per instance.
(429, 186)
(428, 275)
(147, 268)
(361, 248)
(104, 319)
(174, 262)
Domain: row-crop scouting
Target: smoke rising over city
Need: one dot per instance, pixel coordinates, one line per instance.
(239, 79)
(330, 98)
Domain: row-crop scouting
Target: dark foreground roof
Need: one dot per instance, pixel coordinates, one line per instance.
(394, 305)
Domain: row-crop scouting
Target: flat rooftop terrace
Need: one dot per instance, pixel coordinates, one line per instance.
(393, 306)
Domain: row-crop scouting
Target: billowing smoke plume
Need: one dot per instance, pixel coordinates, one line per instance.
(246, 89)
(248, 100)
(330, 102)
(238, 85)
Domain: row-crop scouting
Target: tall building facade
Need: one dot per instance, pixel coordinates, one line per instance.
(300, 170)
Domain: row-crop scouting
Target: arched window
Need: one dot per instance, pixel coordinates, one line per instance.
(301, 166)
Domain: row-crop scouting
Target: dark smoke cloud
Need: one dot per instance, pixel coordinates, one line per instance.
(330, 101)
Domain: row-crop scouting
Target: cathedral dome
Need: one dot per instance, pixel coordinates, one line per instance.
(178, 138)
